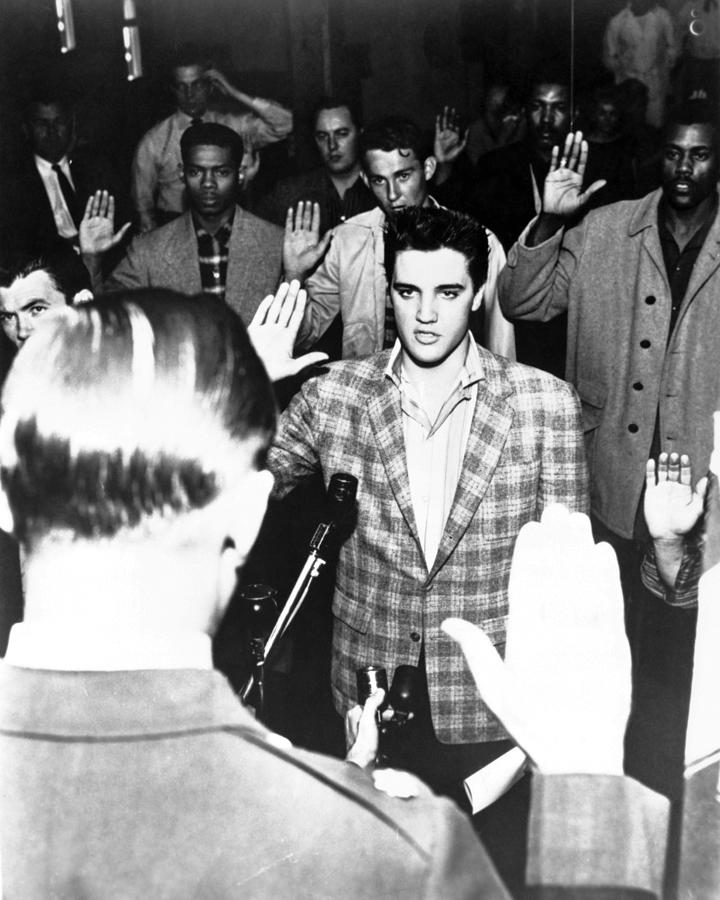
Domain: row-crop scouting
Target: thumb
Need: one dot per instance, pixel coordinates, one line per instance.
(309, 359)
(120, 234)
(593, 189)
(493, 682)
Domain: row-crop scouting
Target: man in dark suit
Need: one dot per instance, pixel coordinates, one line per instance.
(44, 197)
(215, 247)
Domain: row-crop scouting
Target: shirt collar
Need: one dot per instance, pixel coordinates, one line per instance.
(222, 235)
(470, 373)
(663, 228)
(45, 167)
(33, 645)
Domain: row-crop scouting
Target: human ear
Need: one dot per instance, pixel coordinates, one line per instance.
(245, 504)
(429, 167)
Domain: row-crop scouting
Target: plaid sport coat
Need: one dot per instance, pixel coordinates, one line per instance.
(525, 450)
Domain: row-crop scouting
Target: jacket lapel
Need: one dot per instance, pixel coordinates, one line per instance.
(385, 417)
(181, 263)
(707, 262)
(491, 423)
(240, 259)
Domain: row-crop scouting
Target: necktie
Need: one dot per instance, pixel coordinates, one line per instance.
(69, 194)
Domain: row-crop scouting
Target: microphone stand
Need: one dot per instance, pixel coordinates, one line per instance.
(342, 490)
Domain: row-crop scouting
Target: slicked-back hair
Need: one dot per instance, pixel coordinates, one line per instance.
(128, 412)
(336, 102)
(692, 112)
(433, 228)
(395, 133)
(212, 134)
(65, 269)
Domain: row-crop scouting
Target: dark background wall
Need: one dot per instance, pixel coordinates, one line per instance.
(393, 55)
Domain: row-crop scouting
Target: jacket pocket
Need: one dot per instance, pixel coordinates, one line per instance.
(351, 613)
(592, 400)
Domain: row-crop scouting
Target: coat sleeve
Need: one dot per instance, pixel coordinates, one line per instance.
(564, 474)
(602, 832)
(499, 334)
(535, 283)
(323, 303)
(294, 454)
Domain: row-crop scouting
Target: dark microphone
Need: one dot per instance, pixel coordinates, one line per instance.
(341, 494)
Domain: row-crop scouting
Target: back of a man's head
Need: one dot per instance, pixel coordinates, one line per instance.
(124, 414)
(395, 133)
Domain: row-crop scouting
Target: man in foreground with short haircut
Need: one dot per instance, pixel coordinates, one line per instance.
(133, 440)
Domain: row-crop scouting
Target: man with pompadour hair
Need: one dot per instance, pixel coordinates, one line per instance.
(132, 450)
(398, 165)
(454, 450)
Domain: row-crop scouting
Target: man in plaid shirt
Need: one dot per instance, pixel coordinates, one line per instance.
(455, 449)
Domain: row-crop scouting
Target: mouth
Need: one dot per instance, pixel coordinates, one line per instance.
(682, 186)
(426, 337)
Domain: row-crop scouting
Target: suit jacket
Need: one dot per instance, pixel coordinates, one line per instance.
(524, 451)
(27, 224)
(159, 784)
(168, 257)
(608, 272)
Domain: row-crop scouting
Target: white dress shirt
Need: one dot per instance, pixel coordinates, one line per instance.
(63, 220)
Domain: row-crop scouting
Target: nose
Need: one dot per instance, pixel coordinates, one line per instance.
(426, 311)
(23, 329)
(208, 178)
(684, 164)
(392, 191)
(333, 143)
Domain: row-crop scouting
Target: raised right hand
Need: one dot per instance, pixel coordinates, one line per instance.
(562, 193)
(96, 229)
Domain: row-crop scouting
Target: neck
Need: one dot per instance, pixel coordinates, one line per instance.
(345, 180)
(213, 223)
(434, 383)
(133, 586)
(685, 221)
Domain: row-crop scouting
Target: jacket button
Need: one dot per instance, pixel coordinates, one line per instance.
(632, 428)
(650, 300)
(414, 636)
(645, 343)
(638, 386)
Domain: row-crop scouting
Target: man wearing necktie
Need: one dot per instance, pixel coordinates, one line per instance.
(44, 197)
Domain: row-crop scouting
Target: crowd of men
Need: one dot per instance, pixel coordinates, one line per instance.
(506, 334)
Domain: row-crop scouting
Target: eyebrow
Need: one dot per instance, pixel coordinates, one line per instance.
(401, 285)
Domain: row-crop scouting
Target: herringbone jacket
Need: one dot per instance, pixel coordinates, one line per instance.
(525, 450)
